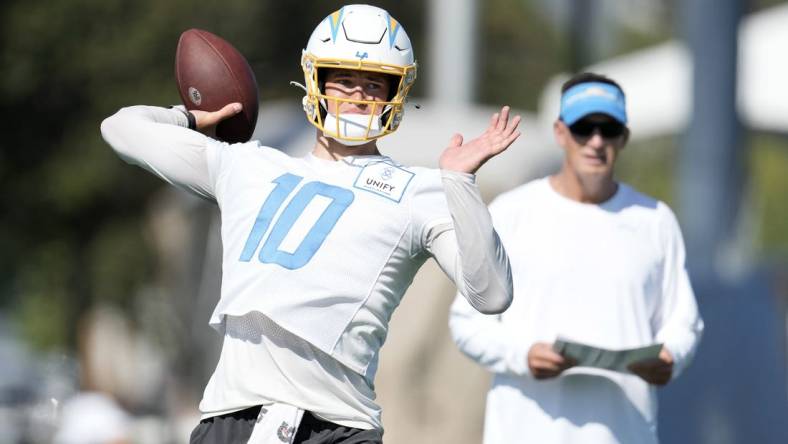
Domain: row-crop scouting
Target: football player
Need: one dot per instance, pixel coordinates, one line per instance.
(318, 250)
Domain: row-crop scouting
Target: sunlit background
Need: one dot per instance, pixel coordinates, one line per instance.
(108, 277)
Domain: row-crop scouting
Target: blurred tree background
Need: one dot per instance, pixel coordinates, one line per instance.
(71, 229)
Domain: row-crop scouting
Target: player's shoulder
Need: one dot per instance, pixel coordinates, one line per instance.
(251, 150)
(422, 172)
(252, 147)
(423, 178)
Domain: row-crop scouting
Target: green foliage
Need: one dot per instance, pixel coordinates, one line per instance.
(757, 5)
(44, 305)
(650, 167)
(769, 184)
(518, 53)
(630, 40)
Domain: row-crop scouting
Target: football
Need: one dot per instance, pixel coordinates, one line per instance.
(211, 73)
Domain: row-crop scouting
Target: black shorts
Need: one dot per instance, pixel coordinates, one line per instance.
(236, 428)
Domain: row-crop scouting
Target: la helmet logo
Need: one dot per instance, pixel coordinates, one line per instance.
(362, 55)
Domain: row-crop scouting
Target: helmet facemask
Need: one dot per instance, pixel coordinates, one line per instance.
(383, 118)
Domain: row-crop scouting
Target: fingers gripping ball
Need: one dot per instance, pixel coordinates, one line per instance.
(211, 73)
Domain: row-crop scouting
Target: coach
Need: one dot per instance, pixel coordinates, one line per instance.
(595, 261)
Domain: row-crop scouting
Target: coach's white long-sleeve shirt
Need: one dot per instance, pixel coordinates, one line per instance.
(610, 275)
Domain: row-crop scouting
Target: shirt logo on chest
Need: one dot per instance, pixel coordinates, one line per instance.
(384, 179)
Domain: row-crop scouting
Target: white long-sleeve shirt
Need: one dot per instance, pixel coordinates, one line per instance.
(316, 256)
(610, 275)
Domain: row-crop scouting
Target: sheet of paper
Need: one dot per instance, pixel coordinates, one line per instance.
(616, 360)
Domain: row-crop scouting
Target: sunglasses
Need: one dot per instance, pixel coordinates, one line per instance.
(608, 130)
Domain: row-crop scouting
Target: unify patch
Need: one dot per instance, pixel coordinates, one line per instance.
(384, 179)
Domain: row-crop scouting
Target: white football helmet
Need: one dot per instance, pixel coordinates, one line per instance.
(365, 38)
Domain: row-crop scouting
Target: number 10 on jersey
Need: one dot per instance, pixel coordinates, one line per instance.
(285, 184)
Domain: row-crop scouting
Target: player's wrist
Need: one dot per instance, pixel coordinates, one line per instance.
(458, 175)
(191, 120)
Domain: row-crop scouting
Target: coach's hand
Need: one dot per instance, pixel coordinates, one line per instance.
(471, 156)
(207, 121)
(544, 362)
(655, 371)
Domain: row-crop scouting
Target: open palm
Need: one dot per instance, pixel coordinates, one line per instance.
(469, 157)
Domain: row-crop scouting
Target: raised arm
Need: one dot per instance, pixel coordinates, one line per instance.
(471, 253)
(484, 338)
(159, 140)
